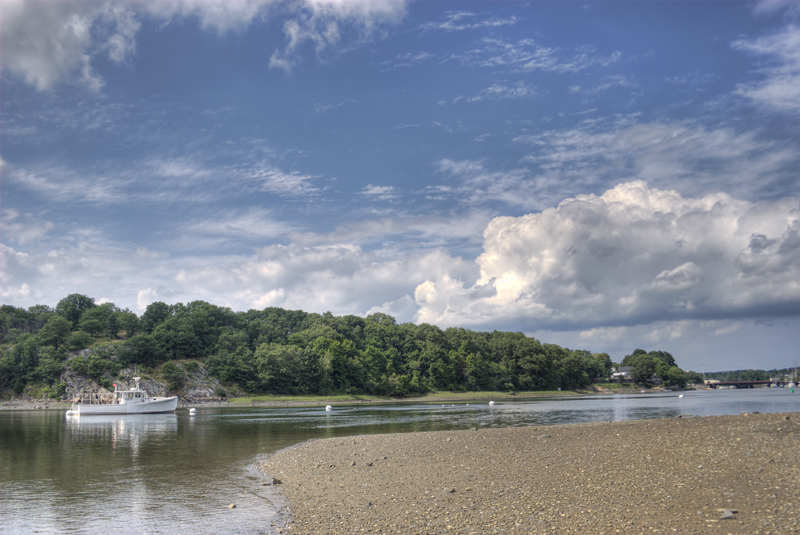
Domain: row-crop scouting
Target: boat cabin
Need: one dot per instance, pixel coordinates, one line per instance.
(126, 397)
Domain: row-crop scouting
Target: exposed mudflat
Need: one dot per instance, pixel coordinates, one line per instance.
(725, 474)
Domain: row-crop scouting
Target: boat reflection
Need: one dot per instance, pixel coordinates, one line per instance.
(131, 432)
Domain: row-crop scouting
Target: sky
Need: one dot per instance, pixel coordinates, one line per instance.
(600, 175)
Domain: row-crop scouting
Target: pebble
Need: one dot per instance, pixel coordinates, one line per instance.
(599, 478)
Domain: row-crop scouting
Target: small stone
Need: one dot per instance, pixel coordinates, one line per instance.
(232, 506)
(727, 515)
(353, 463)
(448, 439)
(543, 436)
(475, 428)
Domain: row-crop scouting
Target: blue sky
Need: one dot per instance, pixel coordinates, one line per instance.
(601, 175)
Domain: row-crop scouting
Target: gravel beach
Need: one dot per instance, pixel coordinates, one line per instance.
(725, 474)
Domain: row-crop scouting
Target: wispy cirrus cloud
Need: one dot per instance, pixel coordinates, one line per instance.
(380, 193)
(683, 155)
(526, 55)
(465, 20)
(500, 91)
(779, 89)
(426, 230)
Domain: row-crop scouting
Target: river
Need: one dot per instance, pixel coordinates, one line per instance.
(178, 473)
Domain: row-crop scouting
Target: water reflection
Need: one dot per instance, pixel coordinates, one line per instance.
(178, 473)
(122, 432)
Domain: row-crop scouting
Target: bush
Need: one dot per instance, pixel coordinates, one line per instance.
(221, 392)
(191, 366)
(174, 375)
(79, 340)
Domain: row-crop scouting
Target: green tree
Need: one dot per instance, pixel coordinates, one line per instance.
(55, 332)
(174, 375)
(644, 367)
(73, 306)
(154, 315)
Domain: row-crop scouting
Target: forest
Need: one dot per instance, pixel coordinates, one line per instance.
(277, 351)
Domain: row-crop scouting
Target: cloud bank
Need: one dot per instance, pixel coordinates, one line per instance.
(633, 255)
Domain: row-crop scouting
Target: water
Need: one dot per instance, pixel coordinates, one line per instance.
(176, 473)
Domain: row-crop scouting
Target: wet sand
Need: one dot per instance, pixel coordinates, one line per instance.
(727, 474)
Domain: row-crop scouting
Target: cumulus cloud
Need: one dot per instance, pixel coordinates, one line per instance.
(341, 278)
(633, 255)
(780, 87)
(46, 42)
(217, 16)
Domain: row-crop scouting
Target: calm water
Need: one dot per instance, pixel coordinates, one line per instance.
(177, 473)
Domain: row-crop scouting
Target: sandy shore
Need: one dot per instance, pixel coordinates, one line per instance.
(728, 474)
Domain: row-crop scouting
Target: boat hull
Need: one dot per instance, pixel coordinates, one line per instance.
(154, 406)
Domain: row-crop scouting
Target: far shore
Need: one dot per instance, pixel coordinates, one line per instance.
(302, 401)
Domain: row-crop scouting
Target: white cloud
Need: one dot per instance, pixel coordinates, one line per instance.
(434, 229)
(500, 91)
(780, 88)
(330, 25)
(46, 42)
(341, 278)
(252, 224)
(26, 229)
(219, 16)
(380, 193)
(465, 20)
(684, 156)
(526, 55)
(633, 255)
(478, 185)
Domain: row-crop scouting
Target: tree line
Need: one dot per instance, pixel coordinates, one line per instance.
(290, 351)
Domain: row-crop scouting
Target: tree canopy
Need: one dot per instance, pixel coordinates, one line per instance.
(295, 352)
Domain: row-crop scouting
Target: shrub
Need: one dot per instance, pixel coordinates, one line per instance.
(173, 374)
(79, 340)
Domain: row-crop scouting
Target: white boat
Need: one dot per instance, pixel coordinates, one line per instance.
(135, 401)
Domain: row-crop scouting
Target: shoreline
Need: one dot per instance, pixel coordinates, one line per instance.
(432, 398)
(718, 474)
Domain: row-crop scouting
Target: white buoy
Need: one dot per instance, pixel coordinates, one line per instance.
(328, 408)
(192, 411)
(680, 396)
(491, 403)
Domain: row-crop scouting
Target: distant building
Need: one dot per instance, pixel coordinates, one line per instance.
(623, 375)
